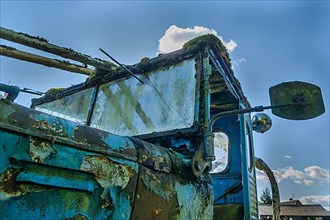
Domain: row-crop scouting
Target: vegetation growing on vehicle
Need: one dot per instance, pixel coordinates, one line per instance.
(52, 91)
(208, 40)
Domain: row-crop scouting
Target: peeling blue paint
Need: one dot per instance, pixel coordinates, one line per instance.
(55, 124)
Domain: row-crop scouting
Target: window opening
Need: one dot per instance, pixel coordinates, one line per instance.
(221, 145)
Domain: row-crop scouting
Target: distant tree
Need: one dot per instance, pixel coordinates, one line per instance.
(265, 197)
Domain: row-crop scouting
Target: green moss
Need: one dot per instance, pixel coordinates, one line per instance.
(34, 37)
(8, 48)
(99, 73)
(208, 40)
(144, 64)
(53, 91)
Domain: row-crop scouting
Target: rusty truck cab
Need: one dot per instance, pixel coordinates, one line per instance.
(121, 148)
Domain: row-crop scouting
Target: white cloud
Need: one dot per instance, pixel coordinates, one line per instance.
(288, 173)
(313, 199)
(306, 177)
(262, 176)
(237, 62)
(317, 172)
(308, 182)
(287, 156)
(175, 37)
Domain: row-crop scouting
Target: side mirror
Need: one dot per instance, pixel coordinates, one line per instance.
(296, 100)
(290, 100)
(261, 122)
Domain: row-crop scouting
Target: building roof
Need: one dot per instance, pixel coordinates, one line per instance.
(295, 208)
(292, 202)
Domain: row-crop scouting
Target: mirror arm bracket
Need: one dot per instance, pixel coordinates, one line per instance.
(204, 155)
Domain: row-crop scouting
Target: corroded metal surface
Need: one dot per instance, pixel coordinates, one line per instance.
(43, 44)
(40, 150)
(31, 122)
(90, 174)
(163, 159)
(51, 168)
(94, 174)
(261, 165)
(164, 196)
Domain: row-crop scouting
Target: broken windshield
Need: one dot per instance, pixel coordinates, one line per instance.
(166, 101)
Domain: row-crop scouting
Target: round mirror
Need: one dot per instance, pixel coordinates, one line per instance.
(261, 122)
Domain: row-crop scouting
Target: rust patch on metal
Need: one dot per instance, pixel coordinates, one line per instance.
(149, 205)
(78, 217)
(53, 128)
(107, 172)
(118, 180)
(160, 184)
(10, 188)
(40, 150)
(89, 136)
(100, 140)
(167, 196)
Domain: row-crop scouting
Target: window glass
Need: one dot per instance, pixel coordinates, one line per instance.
(221, 144)
(166, 102)
(73, 107)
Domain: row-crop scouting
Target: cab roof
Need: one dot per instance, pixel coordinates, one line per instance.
(206, 45)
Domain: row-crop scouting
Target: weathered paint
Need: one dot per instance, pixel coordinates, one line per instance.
(203, 200)
(85, 172)
(44, 157)
(40, 150)
(92, 174)
(248, 169)
(51, 128)
(228, 212)
(55, 177)
(8, 188)
(170, 197)
(163, 159)
(107, 172)
(114, 178)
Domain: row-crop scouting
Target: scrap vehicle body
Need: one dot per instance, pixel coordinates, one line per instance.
(115, 147)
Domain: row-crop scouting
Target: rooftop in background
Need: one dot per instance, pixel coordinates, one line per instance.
(294, 208)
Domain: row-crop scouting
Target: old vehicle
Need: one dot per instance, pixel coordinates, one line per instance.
(167, 138)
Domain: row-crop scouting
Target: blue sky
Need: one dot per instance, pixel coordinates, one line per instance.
(276, 41)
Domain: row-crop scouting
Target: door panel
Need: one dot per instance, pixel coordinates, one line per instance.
(248, 169)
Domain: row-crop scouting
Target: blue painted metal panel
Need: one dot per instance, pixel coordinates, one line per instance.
(51, 168)
(56, 169)
(227, 184)
(248, 169)
(56, 177)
